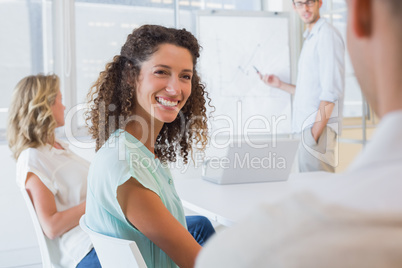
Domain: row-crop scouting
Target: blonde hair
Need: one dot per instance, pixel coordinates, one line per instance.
(31, 123)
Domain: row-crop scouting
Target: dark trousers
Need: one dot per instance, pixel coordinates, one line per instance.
(200, 228)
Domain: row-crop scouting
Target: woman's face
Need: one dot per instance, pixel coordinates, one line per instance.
(164, 84)
(58, 110)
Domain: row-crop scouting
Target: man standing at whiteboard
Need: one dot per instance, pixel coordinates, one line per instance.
(319, 90)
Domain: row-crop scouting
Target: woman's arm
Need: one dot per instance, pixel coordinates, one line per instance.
(145, 210)
(54, 223)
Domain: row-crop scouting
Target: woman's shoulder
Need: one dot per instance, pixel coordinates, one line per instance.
(108, 168)
(34, 154)
(36, 160)
(121, 145)
(112, 154)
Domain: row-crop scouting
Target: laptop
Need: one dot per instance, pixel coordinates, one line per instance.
(249, 162)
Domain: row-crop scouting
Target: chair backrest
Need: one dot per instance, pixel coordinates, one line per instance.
(42, 240)
(114, 252)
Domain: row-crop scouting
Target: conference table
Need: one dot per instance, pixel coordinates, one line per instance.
(226, 204)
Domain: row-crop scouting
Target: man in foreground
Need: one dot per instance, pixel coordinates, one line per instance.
(353, 219)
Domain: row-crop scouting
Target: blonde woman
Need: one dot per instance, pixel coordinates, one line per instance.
(53, 176)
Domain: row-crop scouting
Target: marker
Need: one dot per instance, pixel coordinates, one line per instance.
(256, 69)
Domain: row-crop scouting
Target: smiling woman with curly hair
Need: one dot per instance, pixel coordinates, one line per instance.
(147, 106)
(112, 96)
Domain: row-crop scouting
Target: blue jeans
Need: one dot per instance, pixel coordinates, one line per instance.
(90, 260)
(200, 228)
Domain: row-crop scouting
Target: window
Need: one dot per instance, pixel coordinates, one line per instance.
(335, 11)
(26, 46)
(356, 112)
(102, 27)
(76, 39)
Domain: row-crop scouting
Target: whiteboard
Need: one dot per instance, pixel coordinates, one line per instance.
(232, 44)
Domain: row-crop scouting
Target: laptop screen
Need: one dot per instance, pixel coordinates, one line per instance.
(252, 161)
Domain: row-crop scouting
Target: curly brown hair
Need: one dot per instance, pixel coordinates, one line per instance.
(112, 95)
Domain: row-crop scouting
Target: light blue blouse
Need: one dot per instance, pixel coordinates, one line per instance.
(121, 158)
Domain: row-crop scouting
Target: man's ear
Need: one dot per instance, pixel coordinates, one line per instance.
(362, 15)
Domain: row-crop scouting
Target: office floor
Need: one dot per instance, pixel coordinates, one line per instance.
(348, 151)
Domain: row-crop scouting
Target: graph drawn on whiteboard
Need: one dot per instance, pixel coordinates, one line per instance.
(233, 45)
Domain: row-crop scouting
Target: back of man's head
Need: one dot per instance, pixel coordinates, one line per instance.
(374, 43)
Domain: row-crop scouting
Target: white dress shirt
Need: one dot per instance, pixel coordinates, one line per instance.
(345, 220)
(321, 76)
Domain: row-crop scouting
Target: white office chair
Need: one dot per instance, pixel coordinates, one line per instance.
(114, 252)
(44, 243)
